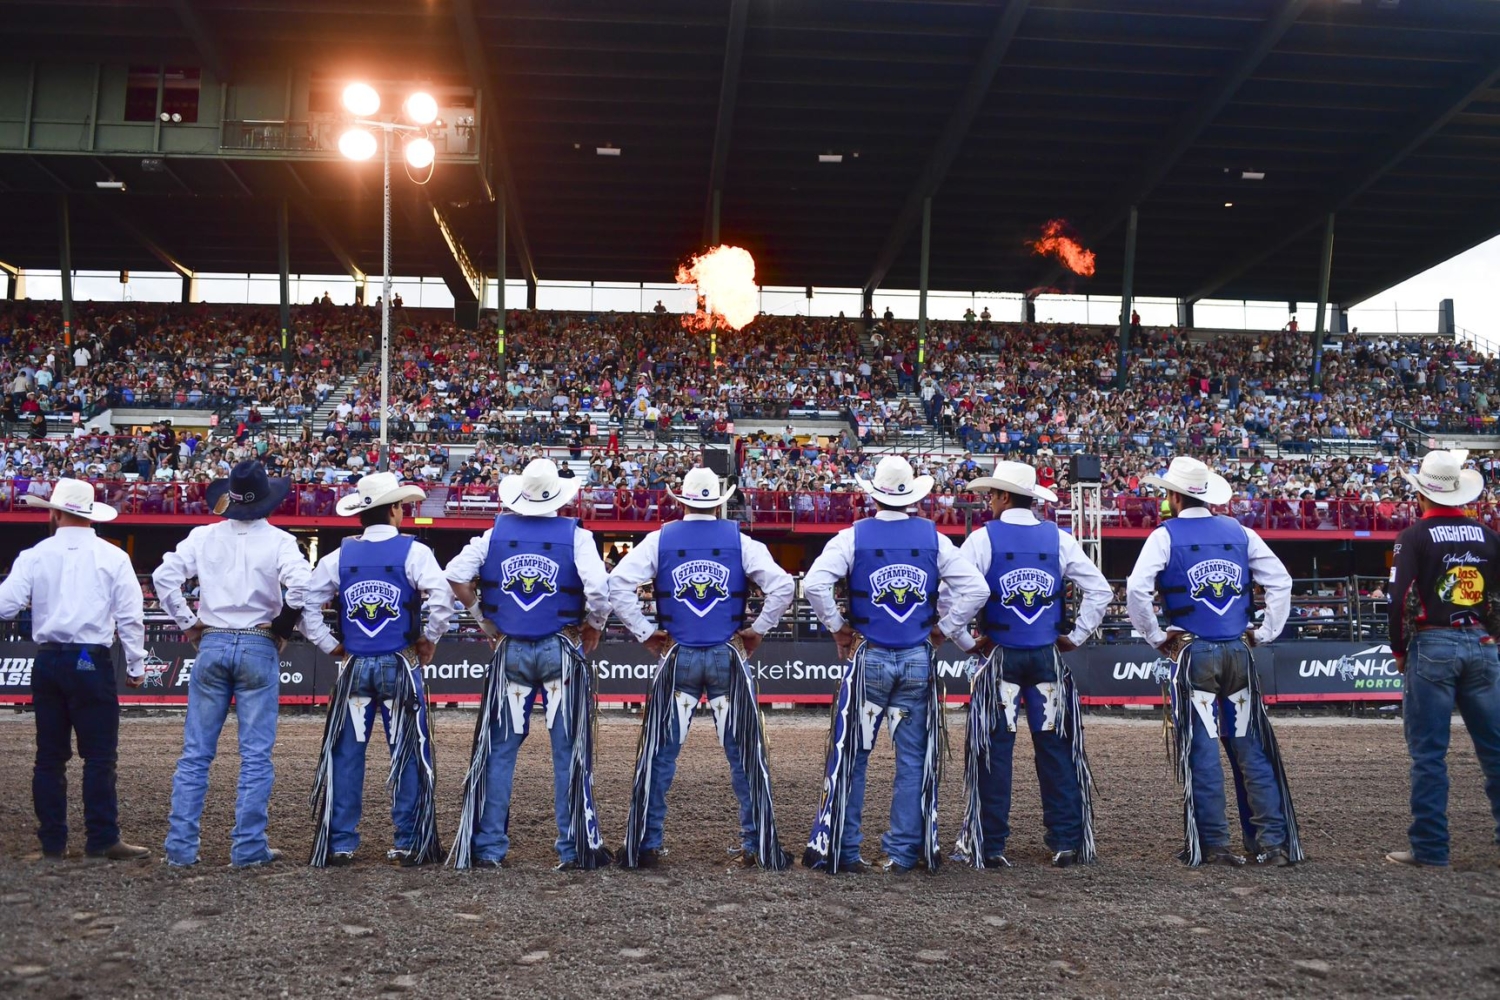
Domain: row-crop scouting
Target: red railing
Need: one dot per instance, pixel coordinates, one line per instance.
(761, 508)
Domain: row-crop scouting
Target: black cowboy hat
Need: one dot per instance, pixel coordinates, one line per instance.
(248, 494)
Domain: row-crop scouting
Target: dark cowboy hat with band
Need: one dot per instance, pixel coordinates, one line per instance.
(248, 494)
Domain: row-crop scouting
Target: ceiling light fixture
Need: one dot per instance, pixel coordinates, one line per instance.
(830, 157)
(607, 150)
(110, 185)
(1252, 175)
(1229, 204)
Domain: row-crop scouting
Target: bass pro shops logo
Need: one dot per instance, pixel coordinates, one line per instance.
(1216, 584)
(529, 579)
(700, 584)
(372, 605)
(899, 590)
(1462, 586)
(1028, 592)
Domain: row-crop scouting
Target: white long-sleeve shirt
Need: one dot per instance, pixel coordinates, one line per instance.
(1265, 569)
(81, 589)
(639, 566)
(966, 588)
(422, 570)
(241, 567)
(1075, 566)
(464, 567)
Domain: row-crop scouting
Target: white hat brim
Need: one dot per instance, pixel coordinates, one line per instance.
(98, 512)
(1219, 491)
(511, 499)
(920, 487)
(702, 504)
(1470, 486)
(354, 502)
(1005, 485)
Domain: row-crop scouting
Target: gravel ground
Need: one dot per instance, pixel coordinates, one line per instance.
(1136, 924)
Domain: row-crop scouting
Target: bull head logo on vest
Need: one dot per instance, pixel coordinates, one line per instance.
(372, 605)
(529, 579)
(700, 584)
(1028, 593)
(899, 589)
(1216, 584)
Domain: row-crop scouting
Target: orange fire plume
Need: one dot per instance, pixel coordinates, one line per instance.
(725, 277)
(1055, 242)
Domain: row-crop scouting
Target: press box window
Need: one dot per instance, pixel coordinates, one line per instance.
(180, 87)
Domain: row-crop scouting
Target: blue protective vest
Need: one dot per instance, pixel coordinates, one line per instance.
(379, 610)
(1206, 586)
(893, 584)
(1025, 609)
(529, 584)
(700, 581)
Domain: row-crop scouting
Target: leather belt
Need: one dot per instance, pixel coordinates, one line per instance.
(264, 633)
(1448, 628)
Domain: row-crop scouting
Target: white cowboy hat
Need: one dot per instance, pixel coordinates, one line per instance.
(1014, 477)
(378, 489)
(701, 489)
(73, 496)
(538, 489)
(1191, 478)
(895, 483)
(1443, 478)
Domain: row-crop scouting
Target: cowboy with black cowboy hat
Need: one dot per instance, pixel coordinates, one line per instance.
(252, 585)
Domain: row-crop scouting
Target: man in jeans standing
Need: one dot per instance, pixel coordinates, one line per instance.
(242, 564)
(82, 592)
(1442, 634)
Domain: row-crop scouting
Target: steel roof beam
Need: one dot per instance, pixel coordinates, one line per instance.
(483, 77)
(142, 237)
(952, 137)
(307, 205)
(729, 87)
(1358, 179)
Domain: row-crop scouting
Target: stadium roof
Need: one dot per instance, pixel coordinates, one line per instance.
(1007, 113)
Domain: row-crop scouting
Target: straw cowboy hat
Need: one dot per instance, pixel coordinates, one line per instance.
(1191, 478)
(73, 496)
(1444, 480)
(895, 483)
(378, 489)
(700, 489)
(538, 489)
(248, 494)
(1014, 477)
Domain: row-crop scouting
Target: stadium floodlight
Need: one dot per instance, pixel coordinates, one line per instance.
(422, 108)
(357, 144)
(361, 99)
(420, 152)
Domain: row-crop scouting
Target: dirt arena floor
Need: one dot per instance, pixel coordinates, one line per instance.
(1137, 924)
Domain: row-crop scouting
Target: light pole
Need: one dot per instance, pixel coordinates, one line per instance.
(358, 143)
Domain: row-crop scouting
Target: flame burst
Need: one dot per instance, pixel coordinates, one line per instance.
(725, 277)
(1055, 242)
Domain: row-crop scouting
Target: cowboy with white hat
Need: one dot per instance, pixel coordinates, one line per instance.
(82, 592)
(699, 570)
(1446, 569)
(242, 564)
(541, 598)
(382, 582)
(893, 564)
(1024, 627)
(1205, 567)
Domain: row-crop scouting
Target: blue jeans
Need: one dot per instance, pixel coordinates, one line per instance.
(1223, 669)
(533, 663)
(701, 670)
(1445, 668)
(71, 694)
(1062, 800)
(374, 689)
(894, 679)
(247, 669)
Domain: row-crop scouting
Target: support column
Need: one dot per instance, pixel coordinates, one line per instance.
(867, 308)
(1325, 273)
(530, 294)
(1185, 314)
(284, 257)
(1028, 311)
(922, 287)
(65, 264)
(189, 288)
(1127, 292)
(500, 283)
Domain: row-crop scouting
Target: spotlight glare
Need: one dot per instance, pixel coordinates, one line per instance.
(357, 144)
(360, 99)
(420, 153)
(421, 108)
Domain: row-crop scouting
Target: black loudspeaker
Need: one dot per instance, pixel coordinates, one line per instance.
(466, 315)
(716, 459)
(1084, 469)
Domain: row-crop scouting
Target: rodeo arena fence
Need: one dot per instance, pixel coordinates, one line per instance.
(1333, 650)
